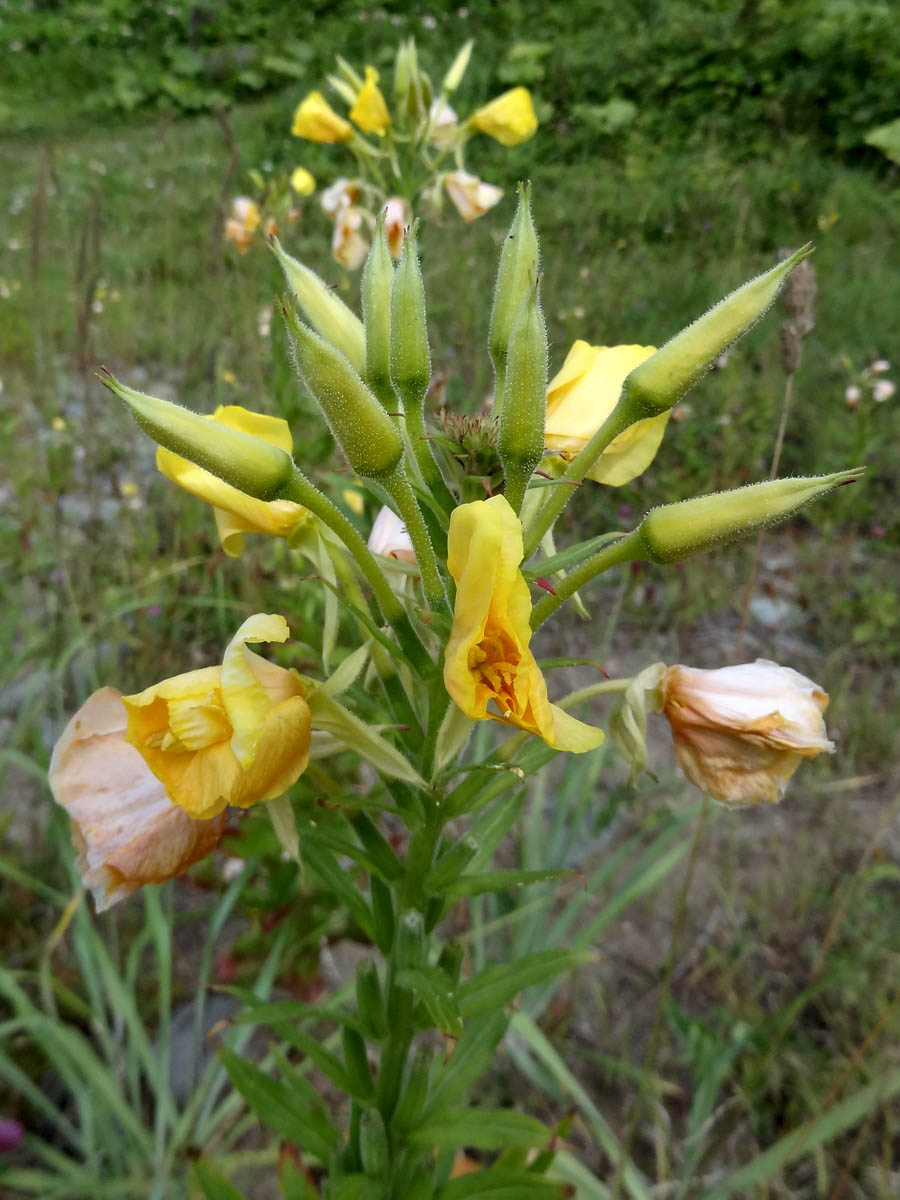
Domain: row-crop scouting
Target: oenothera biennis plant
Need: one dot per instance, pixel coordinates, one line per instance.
(440, 609)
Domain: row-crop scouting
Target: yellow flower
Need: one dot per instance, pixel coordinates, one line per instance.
(582, 395)
(126, 830)
(487, 659)
(509, 119)
(740, 732)
(317, 121)
(370, 111)
(302, 182)
(236, 734)
(471, 196)
(237, 513)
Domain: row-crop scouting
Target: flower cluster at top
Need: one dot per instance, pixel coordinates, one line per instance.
(408, 145)
(441, 590)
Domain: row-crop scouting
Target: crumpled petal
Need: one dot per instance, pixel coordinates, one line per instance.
(489, 670)
(471, 196)
(510, 118)
(316, 120)
(237, 513)
(126, 830)
(370, 111)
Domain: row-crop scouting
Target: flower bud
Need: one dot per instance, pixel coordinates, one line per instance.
(519, 263)
(674, 531)
(356, 1061)
(410, 356)
(663, 379)
(523, 406)
(373, 1147)
(369, 111)
(366, 434)
(375, 288)
(370, 999)
(453, 78)
(325, 311)
(248, 463)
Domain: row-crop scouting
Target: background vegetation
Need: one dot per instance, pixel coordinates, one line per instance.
(747, 983)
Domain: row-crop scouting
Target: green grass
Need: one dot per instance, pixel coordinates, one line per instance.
(110, 253)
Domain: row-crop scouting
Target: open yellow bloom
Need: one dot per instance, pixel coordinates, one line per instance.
(302, 181)
(740, 732)
(370, 111)
(237, 513)
(236, 734)
(581, 396)
(487, 660)
(316, 120)
(509, 119)
(126, 830)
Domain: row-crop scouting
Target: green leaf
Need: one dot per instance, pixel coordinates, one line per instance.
(485, 1129)
(496, 986)
(260, 1013)
(570, 557)
(214, 1185)
(499, 881)
(331, 717)
(323, 863)
(498, 1184)
(276, 1104)
(471, 1057)
(432, 986)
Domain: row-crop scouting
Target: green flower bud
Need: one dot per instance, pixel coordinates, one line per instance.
(411, 1104)
(523, 408)
(674, 531)
(519, 264)
(369, 999)
(366, 434)
(662, 379)
(248, 463)
(373, 1147)
(410, 356)
(453, 78)
(359, 1074)
(375, 287)
(325, 311)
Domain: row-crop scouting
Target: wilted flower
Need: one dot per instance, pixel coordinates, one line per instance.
(880, 365)
(316, 120)
(348, 246)
(397, 219)
(389, 537)
(471, 196)
(243, 223)
(126, 830)
(302, 182)
(509, 119)
(443, 124)
(582, 395)
(343, 193)
(852, 395)
(883, 390)
(487, 660)
(370, 111)
(236, 734)
(740, 732)
(237, 513)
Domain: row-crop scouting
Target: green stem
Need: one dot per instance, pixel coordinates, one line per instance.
(398, 487)
(424, 455)
(303, 492)
(622, 416)
(625, 550)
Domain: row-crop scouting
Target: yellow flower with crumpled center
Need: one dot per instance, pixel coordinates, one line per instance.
(509, 119)
(582, 395)
(236, 734)
(237, 513)
(370, 111)
(489, 670)
(316, 120)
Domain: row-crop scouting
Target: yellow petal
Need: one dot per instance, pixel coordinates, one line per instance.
(302, 181)
(316, 120)
(370, 111)
(510, 119)
(126, 830)
(244, 698)
(282, 754)
(632, 452)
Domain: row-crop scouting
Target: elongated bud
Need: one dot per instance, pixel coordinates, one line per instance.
(382, 913)
(375, 287)
(450, 960)
(674, 531)
(519, 264)
(409, 1109)
(410, 356)
(454, 76)
(361, 427)
(373, 1147)
(661, 380)
(356, 1061)
(248, 463)
(369, 999)
(524, 407)
(325, 311)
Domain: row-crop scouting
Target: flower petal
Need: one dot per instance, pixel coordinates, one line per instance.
(243, 695)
